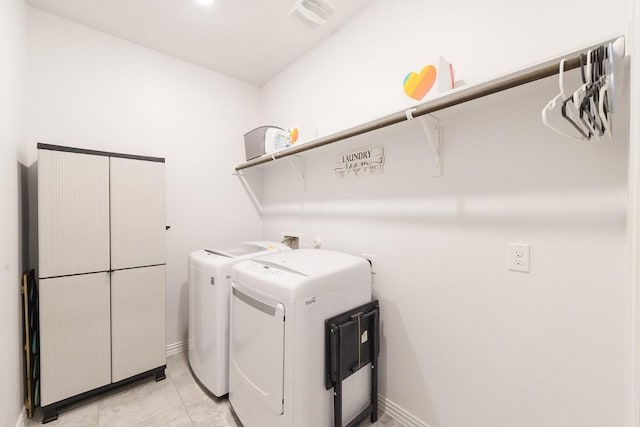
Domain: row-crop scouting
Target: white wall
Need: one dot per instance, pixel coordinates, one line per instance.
(357, 74)
(466, 342)
(91, 90)
(13, 33)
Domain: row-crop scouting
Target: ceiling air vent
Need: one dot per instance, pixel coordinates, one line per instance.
(312, 12)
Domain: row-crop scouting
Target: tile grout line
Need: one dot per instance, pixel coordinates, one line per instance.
(182, 402)
(196, 400)
(170, 378)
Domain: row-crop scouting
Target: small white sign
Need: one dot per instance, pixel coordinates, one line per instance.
(360, 162)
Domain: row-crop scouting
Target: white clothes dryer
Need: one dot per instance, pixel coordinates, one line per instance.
(209, 293)
(278, 307)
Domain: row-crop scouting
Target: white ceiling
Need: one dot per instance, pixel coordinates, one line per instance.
(252, 40)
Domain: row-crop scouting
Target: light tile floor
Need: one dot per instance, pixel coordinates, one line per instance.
(175, 402)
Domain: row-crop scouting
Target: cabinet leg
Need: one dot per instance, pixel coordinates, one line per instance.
(49, 414)
(160, 375)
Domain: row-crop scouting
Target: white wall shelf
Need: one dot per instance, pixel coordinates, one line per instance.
(454, 97)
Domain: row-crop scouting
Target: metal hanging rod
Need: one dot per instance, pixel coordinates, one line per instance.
(455, 97)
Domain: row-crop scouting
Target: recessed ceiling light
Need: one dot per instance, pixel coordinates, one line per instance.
(205, 2)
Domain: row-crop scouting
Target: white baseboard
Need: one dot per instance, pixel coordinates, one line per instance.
(176, 348)
(398, 413)
(22, 419)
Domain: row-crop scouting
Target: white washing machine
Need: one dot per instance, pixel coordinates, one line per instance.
(278, 307)
(209, 293)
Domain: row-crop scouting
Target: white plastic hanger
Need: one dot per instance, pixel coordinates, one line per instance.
(590, 107)
(554, 105)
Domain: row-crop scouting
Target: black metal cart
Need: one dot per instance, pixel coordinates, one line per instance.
(352, 342)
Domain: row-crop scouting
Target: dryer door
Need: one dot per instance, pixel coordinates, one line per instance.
(257, 350)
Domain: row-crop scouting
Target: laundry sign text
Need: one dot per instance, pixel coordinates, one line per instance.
(360, 162)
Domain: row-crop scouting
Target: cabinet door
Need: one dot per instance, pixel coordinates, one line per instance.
(137, 213)
(73, 213)
(75, 336)
(138, 320)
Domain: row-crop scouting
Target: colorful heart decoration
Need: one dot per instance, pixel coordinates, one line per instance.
(416, 86)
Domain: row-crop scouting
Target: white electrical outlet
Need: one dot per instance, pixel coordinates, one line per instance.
(372, 261)
(518, 257)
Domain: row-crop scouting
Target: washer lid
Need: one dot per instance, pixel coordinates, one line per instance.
(302, 273)
(314, 262)
(247, 248)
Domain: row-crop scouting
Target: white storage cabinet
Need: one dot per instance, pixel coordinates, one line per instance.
(101, 269)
